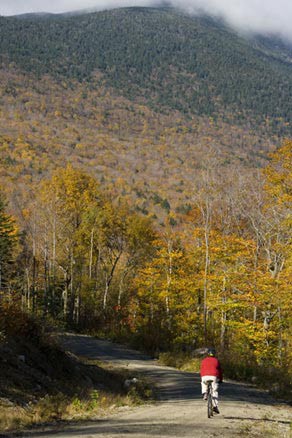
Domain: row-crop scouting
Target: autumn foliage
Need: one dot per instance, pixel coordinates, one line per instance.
(221, 275)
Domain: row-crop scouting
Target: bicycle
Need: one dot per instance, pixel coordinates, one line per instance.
(209, 399)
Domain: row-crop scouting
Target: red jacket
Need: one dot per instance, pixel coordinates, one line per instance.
(210, 366)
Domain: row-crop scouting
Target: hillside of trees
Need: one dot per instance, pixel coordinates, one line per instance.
(146, 183)
(150, 158)
(222, 277)
(160, 57)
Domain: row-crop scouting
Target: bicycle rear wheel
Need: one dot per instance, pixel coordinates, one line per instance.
(209, 405)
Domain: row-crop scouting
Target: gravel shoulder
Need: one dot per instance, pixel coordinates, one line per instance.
(180, 410)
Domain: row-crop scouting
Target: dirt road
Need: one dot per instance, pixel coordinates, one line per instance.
(180, 412)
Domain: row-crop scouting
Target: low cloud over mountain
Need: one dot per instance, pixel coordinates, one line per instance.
(256, 16)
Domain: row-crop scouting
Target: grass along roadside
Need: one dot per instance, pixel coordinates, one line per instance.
(181, 361)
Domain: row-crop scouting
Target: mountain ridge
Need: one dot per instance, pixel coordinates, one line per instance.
(139, 111)
(195, 65)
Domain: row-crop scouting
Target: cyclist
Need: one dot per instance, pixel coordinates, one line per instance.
(211, 370)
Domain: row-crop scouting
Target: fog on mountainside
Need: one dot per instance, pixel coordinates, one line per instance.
(262, 17)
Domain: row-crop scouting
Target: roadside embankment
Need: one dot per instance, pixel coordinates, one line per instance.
(41, 383)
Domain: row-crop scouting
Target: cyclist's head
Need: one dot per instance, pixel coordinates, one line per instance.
(211, 352)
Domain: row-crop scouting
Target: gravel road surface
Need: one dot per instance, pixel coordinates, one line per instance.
(180, 411)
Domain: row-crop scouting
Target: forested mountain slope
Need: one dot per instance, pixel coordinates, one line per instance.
(160, 57)
(133, 144)
(150, 157)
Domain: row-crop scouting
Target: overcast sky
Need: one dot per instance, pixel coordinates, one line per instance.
(273, 16)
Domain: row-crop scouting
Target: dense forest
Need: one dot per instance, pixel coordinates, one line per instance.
(223, 277)
(146, 183)
(161, 57)
(149, 158)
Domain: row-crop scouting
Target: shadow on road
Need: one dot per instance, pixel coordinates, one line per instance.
(122, 428)
(98, 349)
(172, 385)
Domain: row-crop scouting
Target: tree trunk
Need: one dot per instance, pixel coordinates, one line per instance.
(65, 295)
(108, 280)
(91, 253)
(206, 269)
(223, 318)
(105, 294)
(46, 280)
(28, 286)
